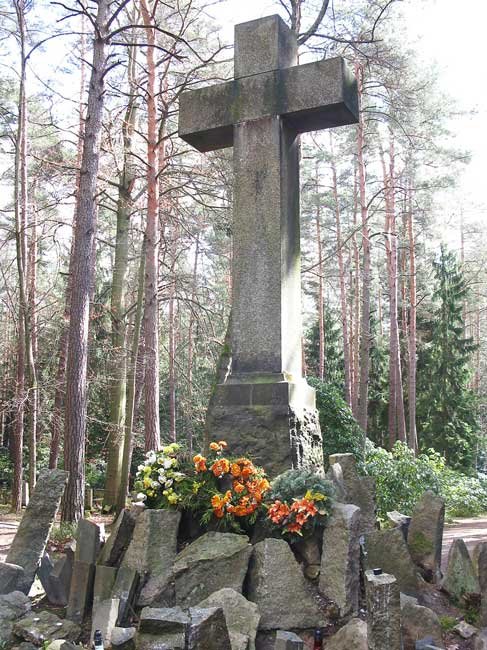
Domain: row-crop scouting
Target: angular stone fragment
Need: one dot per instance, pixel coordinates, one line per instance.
(383, 612)
(155, 559)
(288, 641)
(352, 636)
(105, 619)
(425, 537)
(387, 549)
(12, 606)
(398, 520)
(11, 577)
(39, 627)
(105, 577)
(277, 585)
(359, 490)
(81, 592)
(118, 540)
(460, 577)
(242, 616)
(57, 581)
(480, 642)
(125, 589)
(417, 623)
(161, 628)
(465, 630)
(212, 562)
(88, 540)
(480, 553)
(123, 638)
(426, 644)
(31, 538)
(340, 559)
(208, 630)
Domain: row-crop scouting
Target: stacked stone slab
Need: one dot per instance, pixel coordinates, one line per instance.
(88, 542)
(481, 557)
(162, 628)
(288, 641)
(340, 559)
(277, 585)
(12, 607)
(387, 549)
(118, 540)
(383, 612)
(425, 536)
(460, 577)
(352, 488)
(213, 562)
(208, 630)
(56, 578)
(30, 541)
(352, 636)
(152, 551)
(418, 622)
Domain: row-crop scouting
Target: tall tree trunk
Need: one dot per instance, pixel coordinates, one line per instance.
(172, 337)
(321, 298)
(60, 383)
(365, 334)
(131, 380)
(413, 436)
(82, 280)
(33, 389)
(151, 312)
(118, 356)
(356, 295)
(341, 279)
(191, 344)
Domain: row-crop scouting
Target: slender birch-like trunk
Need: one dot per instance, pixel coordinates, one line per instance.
(321, 298)
(413, 436)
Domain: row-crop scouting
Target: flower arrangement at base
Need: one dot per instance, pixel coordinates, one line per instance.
(300, 500)
(235, 486)
(160, 481)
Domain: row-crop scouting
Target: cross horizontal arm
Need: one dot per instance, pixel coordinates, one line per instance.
(314, 96)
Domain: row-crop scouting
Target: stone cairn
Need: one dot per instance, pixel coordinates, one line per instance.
(150, 586)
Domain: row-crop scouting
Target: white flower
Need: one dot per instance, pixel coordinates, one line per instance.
(140, 468)
(168, 462)
(151, 457)
(169, 483)
(141, 496)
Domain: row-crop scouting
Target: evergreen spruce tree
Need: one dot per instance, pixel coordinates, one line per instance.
(333, 350)
(448, 420)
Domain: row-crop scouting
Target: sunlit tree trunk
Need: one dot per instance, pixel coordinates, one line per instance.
(413, 436)
(194, 289)
(356, 298)
(321, 270)
(82, 280)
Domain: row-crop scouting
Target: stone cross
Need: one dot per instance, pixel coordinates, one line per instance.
(261, 114)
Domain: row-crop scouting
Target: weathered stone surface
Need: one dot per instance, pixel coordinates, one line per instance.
(105, 577)
(81, 592)
(125, 589)
(123, 638)
(340, 558)
(212, 562)
(12, 606)
(277, 585)
(359, 490)
(31, 538)
(425, 537)
(460, 577)
(418, 622)
(242, 616)
(480, 642)
(105, 619)
(480, 563)
(387, 549)
(465, 630)
(352, 636)
(426, 644)
(155, 559)
(208, 630)
(161, 628)
(38, 627)
(88, 540)
(288, 641)
(11, 577)
(383, 611)
(56, 579)
(118, 540)
(398, 520)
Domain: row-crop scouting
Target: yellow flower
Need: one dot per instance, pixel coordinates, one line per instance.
(214, 446)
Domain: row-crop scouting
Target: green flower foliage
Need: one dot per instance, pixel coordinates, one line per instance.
(402, 479)
(295, 483)
(340, 431)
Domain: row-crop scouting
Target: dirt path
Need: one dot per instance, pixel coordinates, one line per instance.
(472, 531)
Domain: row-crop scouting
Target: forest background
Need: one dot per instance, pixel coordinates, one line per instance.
(116, 241)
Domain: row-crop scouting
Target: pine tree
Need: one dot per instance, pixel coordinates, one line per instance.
(448, 419)
(333, 370)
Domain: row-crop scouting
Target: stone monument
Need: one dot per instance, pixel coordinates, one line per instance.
(265, 408)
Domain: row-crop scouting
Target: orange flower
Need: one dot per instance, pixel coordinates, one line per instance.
(294, 528)
(219, 513)
(238, 487)
(301, 518)
(214, 446)
(264, 485)
(220, 467)
(304, 505)
(278, 511)
(223, 444)
(217, 501)
(246, 473)
(199, 463)
(235, 470)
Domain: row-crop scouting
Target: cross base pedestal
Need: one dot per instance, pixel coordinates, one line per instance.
(270, 419)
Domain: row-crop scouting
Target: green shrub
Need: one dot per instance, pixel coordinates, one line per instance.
(340, 431)
(294, 483)
(465, 496)
(6, 468)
